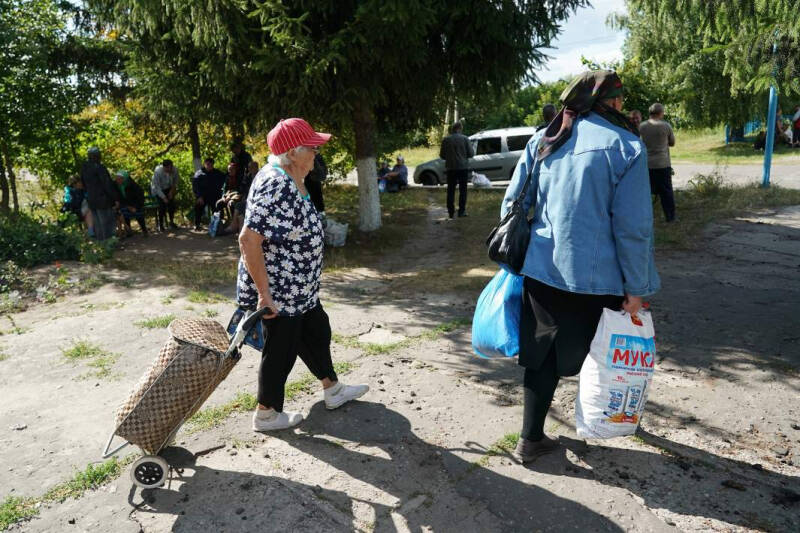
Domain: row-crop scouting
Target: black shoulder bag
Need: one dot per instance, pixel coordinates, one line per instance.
(508, 242)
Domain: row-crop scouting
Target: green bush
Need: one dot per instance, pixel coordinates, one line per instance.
(14, 278)
(706, 185)
(28, 240)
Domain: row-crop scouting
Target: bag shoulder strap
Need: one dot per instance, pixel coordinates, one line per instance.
(521, 196)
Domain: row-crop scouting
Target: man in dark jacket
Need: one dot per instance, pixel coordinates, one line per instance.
(241, 158)
(101, 194)
(456, 151)
(207, 187)
(131, 201)
(313, 182)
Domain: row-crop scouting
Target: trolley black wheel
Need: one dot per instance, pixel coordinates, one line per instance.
(149, 471)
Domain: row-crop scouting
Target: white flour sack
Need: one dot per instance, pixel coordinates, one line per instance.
(616, 376)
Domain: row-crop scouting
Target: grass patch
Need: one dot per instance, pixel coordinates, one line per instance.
(213, 416)
(14, 509)
(708, 199)
(402, 215)
(205, 297)
(92, 477)
(418, 155)
(503, 446)
(372, 348)
(82, 350)
(157, 322)
(197, 276)
(16, 330)
(245, 402)
(300, 386)
(4, 356)
(447, 327)
(348, 341)
(210, 313)
(168, 299)
(101, 365)
(99, 360)
(91, 283)
(708, 146)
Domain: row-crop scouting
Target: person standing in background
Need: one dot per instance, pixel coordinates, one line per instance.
(313, 182)
(164, 186)
(635, 116)
(549, 112)
(456, 151)
(242, 159)
(796, 127)
(207, 186)
(657, 136)
(101, 194)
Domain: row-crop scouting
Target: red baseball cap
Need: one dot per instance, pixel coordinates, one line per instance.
(293, 132)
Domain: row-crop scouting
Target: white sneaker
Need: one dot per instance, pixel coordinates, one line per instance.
(271, 420)
(340, 394)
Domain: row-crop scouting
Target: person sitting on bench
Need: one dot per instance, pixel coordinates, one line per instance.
(397, 178)
(131, 201)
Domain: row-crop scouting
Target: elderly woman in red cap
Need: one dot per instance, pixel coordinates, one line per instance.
(280, 268)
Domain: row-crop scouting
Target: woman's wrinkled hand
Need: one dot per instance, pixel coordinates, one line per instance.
(632, 304)
(266, 301)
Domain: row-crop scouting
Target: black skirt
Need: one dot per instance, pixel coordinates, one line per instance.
(562, 321)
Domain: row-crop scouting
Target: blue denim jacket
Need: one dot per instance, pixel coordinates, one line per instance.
(592, 229)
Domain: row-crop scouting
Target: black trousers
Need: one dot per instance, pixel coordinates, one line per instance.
(556, 330)
(661, 185)
(539, 386)
(128, 214)
(199, 210)
(457, 177)
(165, 207)
(307, 335)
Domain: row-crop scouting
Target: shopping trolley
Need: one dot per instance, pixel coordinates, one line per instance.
(189, 367)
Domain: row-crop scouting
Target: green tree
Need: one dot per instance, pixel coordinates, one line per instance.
(353, 66)
(53, 61)
(713, 58)
(33, 92)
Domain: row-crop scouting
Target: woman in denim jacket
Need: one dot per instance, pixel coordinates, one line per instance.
(591, 239)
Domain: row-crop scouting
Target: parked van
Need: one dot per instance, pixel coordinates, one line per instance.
(496, 156)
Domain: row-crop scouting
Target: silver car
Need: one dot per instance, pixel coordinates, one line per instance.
(496, 156)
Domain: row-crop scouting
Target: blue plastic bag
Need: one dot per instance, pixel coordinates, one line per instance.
(213, 225)
(495, 325)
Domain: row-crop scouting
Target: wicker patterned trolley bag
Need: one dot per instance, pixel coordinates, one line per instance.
(189, 367)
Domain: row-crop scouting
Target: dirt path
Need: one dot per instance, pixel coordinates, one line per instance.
(719, 447)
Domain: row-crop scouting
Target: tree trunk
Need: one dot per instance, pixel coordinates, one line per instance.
(194, 138)
(368, 202)
(3, 188)
(446, 129)
(12, 178)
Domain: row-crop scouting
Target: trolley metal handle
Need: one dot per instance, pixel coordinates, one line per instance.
(107, 453)
(244, 327)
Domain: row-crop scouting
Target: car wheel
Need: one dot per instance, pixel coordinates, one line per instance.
(429, 178)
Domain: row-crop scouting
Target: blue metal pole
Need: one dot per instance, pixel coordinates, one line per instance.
(773, 109)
